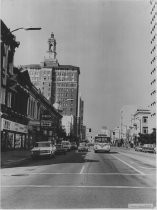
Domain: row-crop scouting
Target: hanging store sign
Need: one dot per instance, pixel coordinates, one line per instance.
(13, 126)
(46, 123)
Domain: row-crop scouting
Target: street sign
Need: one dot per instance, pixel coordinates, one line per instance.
(46, 123)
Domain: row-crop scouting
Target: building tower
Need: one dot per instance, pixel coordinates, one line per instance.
(153, 62)
(50, 60)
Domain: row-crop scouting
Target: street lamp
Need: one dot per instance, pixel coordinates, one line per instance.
(26, 29)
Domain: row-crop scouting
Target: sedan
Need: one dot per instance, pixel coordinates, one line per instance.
(44, 148)
(82, 147)
(138, 148)
(60, 149)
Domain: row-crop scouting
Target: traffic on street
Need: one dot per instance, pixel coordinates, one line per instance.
(123, 178)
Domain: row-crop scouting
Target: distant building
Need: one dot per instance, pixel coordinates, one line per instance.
(58, 83)
(90, 135)
(83, 132)
(141, 121)
(153, 22)
(67, 124)
(80, 118)
(126, 119)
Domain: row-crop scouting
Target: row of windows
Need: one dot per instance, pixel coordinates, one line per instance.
(153, 81)
(154, 48)
(33, 108)
(153, 8)
(48, 72)
(67, 104)
(66, 85)
(153, 60)
(64, 79)
(65, 89)
(153, 17)
(153, 28)
(153, 39)
(35, 78)
(3, 96)
(153, 92)
(153, 114)
(153, 70)
(62, 73)
(152, 104)
(34, 73)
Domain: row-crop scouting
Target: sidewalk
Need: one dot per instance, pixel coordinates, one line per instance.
(12, 157)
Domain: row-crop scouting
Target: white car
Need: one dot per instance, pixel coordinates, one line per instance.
(43, 148)
(66, 145)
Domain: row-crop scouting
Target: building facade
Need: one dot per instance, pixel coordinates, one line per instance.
(22, 105)
(153, 22)
(58, 83)
(141, 121)
(80, 118)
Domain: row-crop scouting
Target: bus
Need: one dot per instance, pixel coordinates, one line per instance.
(102, 143)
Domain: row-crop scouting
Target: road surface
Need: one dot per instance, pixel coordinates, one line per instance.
(119, 179)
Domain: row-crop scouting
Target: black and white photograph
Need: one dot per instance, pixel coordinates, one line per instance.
(78, 104)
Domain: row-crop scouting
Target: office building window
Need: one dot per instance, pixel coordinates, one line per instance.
(145, 119)
(9, 100)
(145, 130)
(3, 96)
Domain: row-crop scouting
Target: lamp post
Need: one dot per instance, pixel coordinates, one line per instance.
(26, 29)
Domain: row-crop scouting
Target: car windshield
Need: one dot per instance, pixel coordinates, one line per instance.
(42, 144)
(101, 140)
(65, 143)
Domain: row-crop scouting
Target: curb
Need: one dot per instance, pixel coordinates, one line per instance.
(14, 162)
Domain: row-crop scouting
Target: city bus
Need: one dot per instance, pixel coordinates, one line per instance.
(102, 143)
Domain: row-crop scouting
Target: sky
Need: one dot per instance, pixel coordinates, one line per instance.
(108, 39)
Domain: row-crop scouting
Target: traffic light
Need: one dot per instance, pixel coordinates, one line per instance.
(113, 133)
(90, 129)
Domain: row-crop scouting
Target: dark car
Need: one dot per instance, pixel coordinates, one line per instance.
(82, 147)
(73, 145)
(60, 149)
(138, 148)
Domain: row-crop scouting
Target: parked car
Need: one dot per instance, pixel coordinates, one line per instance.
(138, 148)
(82, 147)
(148, 148)
(73, 145)
(155, 149)
(43, 148)
(60, 149)
(66, 145)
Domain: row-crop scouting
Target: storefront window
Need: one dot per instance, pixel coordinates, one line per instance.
(17, 141)
(10, 140)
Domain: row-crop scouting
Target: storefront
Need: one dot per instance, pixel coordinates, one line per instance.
(13, 135)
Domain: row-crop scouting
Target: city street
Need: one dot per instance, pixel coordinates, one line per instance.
(82, 180)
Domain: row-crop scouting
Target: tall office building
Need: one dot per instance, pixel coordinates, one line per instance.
(58, 83)
(153, 22)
